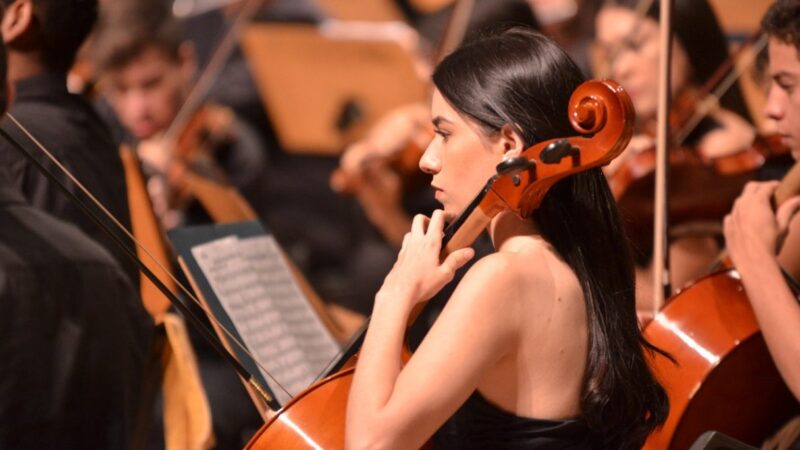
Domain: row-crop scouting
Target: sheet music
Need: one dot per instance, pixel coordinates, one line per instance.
(282, 331)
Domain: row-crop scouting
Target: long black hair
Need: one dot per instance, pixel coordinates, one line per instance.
(521, 78)
(697, 29)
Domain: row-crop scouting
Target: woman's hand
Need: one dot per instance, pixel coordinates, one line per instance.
(752, 229)
(418, 274)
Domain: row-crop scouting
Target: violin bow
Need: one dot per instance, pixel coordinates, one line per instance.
(97, 218)
(455, 30)
(735, 67)
(662, 288)
(205, 81)
(190, 8)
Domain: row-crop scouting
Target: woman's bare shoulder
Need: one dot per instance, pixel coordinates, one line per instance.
(508, 274)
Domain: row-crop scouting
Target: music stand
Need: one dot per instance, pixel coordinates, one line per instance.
(322, 93)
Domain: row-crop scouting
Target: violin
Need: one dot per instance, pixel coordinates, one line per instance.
(404, 163)
(194, 150)
(601, 109)
(719, 179)
(710, 329)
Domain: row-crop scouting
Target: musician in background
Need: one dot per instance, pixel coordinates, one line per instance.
(73, 336)
(42, 38)
(628, 46)
(146, 71)
(754, 232)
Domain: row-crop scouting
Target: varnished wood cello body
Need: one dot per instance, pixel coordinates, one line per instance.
(316, 417)
(724, 379)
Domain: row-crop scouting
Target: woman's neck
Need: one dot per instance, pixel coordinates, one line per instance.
(506, 227)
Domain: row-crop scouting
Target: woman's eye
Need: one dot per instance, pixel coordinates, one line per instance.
(443, 134)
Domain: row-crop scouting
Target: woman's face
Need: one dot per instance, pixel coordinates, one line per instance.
(631, 53)
(461, 158)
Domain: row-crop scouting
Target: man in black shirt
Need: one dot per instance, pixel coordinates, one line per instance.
(42, 37)
(73, 335)
(72, 332)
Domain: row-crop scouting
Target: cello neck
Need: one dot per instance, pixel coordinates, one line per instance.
(461, 233)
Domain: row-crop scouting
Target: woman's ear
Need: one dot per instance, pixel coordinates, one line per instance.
(510, 142)
(17, 20)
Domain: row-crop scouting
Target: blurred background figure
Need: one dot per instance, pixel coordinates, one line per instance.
(628, 52)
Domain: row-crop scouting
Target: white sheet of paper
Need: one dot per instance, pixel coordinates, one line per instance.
(255, 287)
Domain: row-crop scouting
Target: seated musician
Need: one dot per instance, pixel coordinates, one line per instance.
(145, 71)
(754, 232)
(73, 337)
(539, 344)
(42, 38)
(629, 45)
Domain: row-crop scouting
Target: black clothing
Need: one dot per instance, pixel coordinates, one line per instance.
(479, 424)
(73, 336)
(68, 126)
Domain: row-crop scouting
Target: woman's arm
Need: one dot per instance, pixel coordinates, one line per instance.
(392, 406)
(753, 234)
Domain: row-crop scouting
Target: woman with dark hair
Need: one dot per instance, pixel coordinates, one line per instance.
(628, 46)
(539, 346)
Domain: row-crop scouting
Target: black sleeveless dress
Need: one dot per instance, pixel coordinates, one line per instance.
(479, 424)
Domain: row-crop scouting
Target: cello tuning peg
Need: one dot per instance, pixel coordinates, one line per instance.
(558, 150)
(513, 166)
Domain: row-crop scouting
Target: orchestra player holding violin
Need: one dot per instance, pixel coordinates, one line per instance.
(628, 45)
(754, 231)
(145, 70)
(539, 345)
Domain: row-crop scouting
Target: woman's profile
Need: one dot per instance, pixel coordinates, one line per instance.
(539, 345)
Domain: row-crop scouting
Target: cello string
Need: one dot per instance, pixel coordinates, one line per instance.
(146, 251)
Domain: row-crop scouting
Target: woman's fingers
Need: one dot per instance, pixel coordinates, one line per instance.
(457, 259)
(419, 224)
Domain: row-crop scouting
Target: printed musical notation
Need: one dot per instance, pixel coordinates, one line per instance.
(253, 283)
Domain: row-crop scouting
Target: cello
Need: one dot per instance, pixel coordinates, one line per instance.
(712, 332)
(601, 109)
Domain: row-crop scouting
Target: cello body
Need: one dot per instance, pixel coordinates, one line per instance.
(320, 404)
(724, 379)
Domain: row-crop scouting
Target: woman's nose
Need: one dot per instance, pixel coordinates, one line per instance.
(430, 162)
